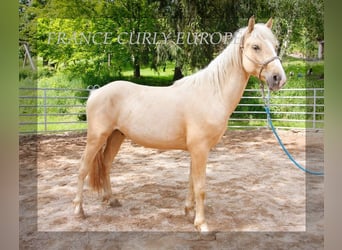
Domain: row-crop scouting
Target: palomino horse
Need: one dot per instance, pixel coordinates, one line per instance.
(190, 115)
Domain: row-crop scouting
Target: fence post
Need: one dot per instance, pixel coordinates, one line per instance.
(314, 110)
(45, 111)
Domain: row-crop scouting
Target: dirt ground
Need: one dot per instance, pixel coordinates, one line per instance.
(251, 187)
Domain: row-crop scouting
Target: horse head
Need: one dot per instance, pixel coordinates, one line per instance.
(258, 54)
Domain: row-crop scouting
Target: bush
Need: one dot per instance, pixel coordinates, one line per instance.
(25, 73)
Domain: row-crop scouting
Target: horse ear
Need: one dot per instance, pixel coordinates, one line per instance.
(251, 23)
(269, 23)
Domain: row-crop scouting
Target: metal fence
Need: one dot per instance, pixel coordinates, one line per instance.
(55, 110)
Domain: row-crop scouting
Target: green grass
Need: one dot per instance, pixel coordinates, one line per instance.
(299, 68)
(150, 77)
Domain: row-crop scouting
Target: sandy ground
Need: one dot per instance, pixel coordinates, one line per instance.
(254, 194)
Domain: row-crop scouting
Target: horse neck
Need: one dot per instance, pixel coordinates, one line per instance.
(232, 79)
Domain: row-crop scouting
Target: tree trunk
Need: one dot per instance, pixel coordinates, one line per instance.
(178, 73)
(136, 66)
(320, 50)
(285, 42)
(136, 70)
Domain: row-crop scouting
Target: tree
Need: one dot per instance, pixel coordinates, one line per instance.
(135, 17)
(298, 22)
(194, 18)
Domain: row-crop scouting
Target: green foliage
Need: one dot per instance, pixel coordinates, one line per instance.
(298, 22)
(75, 43)
(58, 31)
(27, 73)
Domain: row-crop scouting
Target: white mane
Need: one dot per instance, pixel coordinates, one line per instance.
(218, 70)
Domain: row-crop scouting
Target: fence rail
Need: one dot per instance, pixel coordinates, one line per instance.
(53, 110)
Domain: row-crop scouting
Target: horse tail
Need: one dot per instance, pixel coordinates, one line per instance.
(98, 172)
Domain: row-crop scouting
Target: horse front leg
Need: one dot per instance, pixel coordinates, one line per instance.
(199, 158)
(190, 200)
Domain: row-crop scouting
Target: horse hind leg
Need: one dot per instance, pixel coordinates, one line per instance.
(82, 173)
(113, 144)
(88, 161)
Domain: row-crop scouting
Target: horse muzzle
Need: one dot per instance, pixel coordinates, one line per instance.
(275, 78)
(275, 81)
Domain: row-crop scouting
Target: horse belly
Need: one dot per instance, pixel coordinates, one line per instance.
(155, 136)
(153, 140)
(155, 124)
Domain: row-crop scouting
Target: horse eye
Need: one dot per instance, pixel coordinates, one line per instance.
(256, 47)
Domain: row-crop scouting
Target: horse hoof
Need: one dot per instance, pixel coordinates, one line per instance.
(189, 211)
(78, 211)
(114, 203)
(202, 228)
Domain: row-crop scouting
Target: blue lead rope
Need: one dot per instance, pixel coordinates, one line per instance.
(269, 120)
(267, 109)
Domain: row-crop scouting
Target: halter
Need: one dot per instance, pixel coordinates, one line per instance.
(262, 65)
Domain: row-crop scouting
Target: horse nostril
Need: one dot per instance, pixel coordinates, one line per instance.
(276, 78)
